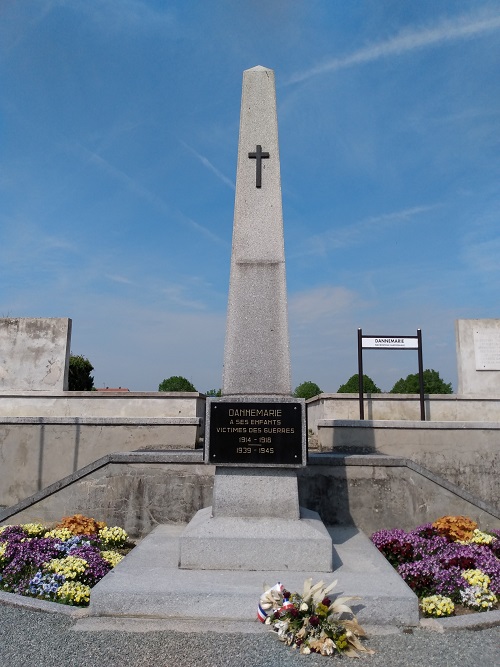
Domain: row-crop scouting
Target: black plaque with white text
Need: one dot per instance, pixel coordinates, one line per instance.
(242, 433)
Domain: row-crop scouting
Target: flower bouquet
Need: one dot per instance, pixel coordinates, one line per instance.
(58, 565)
(312, 621)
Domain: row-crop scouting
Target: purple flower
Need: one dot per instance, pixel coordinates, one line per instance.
(44, 586)
(430, 563)
(12, 534)
(97, 566)
(394, 544)
(24, 558)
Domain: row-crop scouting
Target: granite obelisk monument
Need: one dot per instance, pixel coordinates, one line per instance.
(255, 433)
(256, 354)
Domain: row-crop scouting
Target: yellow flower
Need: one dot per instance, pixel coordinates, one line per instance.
(477, 578)
(112, 557)
(478, 537)
(61, 533)
(71, 567)
(113, 536)
(437, 605)
(33, 529)
(74, 592)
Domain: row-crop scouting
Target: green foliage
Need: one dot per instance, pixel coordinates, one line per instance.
(79, 378)
(307, 390)
(433, 384)
(352, 385)
(176, 383)
(213, 392)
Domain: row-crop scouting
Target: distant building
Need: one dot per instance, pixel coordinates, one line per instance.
(112, 389)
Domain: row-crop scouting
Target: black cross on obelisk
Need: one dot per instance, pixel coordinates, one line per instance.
(258, 156)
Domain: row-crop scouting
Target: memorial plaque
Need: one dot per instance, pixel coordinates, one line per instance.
(255, 434)
(487, 350)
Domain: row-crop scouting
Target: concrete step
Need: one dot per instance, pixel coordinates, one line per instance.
(149, 584)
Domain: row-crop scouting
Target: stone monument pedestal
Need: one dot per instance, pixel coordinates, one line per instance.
(255, 523)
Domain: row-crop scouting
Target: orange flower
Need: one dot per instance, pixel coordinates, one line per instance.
(455, 527)
(81, 525)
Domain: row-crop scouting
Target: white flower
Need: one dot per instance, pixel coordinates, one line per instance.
(305, 650)
(281, 627)
(328, 647)
(304, 607)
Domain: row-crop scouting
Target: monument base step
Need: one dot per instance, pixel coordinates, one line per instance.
(149, 584)
(248, 543)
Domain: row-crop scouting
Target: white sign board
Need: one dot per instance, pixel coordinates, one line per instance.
(487, 350)
(390, 342)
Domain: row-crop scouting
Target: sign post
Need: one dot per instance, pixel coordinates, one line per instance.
(391, 343)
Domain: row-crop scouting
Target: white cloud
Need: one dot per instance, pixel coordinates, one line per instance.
(483, 256)
(176, 294)
(323, 336)
(110, 15)
(206, 162)
(311, 306)
(137, 347)
(142, 192)
(119, 279)
(358, 232)
(465, 27)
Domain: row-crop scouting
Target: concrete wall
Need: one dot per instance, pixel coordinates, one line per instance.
(464, 453)
(375, 494)
(478, 357)
(438, 407)
(93, 404)
(138, 491)
(37, 452)
(48, 436)
(45, 436)
(134, 497)
(34, 354)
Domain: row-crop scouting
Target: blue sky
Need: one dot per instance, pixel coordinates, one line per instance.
(118, 141)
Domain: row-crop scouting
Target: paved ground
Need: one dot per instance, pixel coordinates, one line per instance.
(41, 639)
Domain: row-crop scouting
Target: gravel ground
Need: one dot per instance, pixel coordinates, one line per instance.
(35, 638)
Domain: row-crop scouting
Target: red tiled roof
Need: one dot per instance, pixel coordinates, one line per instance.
(115, 389)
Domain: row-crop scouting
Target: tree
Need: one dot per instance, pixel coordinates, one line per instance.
(79, 378)
(213, 392)
(433, 384)
(352, 386)
(307, 390)
(176, 383)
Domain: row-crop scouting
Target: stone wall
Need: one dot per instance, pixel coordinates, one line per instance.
(140, 490)
(46, 436)
(34, 353)
(94, 404)
(464, 453)
(478, 357)
(438, 407)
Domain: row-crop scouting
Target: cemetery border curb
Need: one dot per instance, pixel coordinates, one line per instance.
(477, 621)
(46, 606)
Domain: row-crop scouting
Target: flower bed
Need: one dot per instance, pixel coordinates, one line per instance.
(59, 564)
(450, 564)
